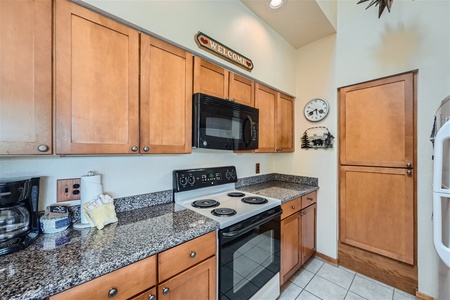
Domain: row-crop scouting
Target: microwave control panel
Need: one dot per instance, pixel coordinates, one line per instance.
(185, 180)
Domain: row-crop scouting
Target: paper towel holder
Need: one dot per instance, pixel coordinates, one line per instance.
(83, 223)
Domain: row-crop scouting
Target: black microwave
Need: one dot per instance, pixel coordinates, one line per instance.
(221, 124)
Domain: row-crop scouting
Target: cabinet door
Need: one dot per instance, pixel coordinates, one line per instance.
(242, 90)
(266, 102)
(377, 211)
(376, 122)
(147, 295)
(125, 282)
(285, 124)
(291, 257)
(308, 216)
(210, 79)
(198, 282)
(166, 98)
(26, 77)
(97, 75)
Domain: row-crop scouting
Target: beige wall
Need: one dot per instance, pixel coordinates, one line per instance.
(415, 35)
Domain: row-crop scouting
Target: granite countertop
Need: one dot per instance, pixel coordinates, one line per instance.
(285, 191)
(57, 262)
(60, 261)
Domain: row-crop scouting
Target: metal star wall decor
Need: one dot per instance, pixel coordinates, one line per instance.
(381, 3)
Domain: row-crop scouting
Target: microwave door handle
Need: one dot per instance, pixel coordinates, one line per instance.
(250, 121)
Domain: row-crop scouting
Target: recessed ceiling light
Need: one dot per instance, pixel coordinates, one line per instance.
(275, 4)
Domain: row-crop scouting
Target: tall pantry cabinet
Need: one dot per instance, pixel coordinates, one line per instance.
(377, 205)
(26, 77)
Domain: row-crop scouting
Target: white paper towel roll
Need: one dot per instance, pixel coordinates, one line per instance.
(90, 188)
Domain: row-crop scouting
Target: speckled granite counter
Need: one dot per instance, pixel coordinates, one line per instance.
(148, 224)
(283, 187)
(57, 262)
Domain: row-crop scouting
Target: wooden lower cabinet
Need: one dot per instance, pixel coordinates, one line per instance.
(187, 271)
(298, 234)
(120, 284)
(198, 282)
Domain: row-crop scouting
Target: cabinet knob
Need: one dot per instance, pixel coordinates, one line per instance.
(408, 165)
(112, 293)
(134, 148)
(146, 149)
(151, 297)
(42, 148)
(409, 172)
(302, 213)
(166, 291)
(192, 254)
(310, 199)
(293, 207)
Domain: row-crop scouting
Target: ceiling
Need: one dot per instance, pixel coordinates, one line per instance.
(300, 22)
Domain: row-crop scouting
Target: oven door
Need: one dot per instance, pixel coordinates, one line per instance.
(249, 255)
(224, 125)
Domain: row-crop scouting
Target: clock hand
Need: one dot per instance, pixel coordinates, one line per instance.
(312, 112)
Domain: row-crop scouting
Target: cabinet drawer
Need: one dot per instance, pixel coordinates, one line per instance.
(291, 207)
(127, 281)
(181, 257)
(309, 199)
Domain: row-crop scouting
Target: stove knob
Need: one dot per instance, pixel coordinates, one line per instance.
(183, 181)
(191, 180)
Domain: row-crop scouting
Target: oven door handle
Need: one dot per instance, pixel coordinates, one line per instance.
(234, 234)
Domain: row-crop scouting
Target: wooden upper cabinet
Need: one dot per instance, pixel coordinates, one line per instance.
(96, 84)
(266, 102)
(166, 98)
(213, 80)
(241, 90)
(285, 134)
(377, 122)
(26, 77)
(210, 79)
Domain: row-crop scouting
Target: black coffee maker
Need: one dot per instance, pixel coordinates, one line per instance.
(19, 220)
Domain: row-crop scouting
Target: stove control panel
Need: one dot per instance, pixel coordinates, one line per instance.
(185, 180)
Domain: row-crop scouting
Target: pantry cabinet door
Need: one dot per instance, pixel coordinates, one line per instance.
(210, 79)
(26, 77)
(376, 122)
(97, 75)
(266, 102)
(242, 90)
(166, 98)
(285, 125)
(377, 211)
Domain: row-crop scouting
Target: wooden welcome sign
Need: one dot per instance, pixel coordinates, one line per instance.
(220, 50)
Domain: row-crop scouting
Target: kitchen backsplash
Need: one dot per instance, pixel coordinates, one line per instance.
(151, 199)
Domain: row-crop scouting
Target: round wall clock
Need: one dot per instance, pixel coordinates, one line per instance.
(316, 109)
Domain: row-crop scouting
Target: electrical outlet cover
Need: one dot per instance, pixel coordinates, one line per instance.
(68, 189)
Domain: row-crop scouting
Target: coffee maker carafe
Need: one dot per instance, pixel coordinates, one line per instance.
(19, 220)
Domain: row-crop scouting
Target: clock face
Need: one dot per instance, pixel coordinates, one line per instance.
(316, 109)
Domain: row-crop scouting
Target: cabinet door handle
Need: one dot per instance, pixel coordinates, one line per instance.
(134, 148)
(112, 293)
(192, 254)
(42, 148)
(166, 291)
(146, 149)
(151, 297)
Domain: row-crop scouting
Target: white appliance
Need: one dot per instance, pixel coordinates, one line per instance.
(441, 194)
(248, 235)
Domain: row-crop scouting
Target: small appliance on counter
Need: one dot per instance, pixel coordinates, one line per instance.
(19, 220)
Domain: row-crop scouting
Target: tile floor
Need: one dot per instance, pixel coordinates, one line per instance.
(320, 280)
